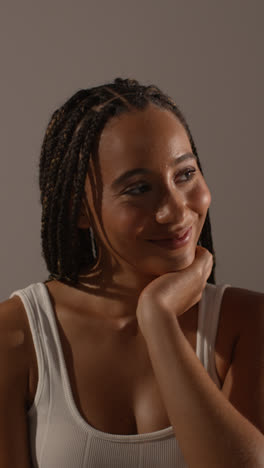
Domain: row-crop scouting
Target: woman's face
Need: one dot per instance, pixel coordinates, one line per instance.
(146, 190)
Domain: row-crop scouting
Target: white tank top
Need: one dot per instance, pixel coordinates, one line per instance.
(59, 436)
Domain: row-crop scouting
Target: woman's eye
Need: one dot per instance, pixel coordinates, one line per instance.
(189, 172)
(137, 190)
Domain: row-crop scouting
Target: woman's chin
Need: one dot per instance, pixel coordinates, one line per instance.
(182, 260)
(161, 268)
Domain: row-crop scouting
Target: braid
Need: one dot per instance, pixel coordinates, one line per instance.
(57, 121)
(65, 154)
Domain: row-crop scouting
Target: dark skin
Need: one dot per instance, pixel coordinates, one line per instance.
(128, 329)
(127, 215)
(109, 314)
(101, 314)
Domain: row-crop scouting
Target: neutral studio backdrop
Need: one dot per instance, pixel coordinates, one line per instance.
(206, 54)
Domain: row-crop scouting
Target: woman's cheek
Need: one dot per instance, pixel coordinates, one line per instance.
(201, 198)
(123, 217)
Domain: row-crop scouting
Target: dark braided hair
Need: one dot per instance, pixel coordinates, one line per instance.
(66, 149)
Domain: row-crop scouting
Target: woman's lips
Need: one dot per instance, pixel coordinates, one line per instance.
(173, 244)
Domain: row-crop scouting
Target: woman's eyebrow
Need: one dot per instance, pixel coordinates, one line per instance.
(140, 170)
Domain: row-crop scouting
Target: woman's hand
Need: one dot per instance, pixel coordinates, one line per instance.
(176, 292)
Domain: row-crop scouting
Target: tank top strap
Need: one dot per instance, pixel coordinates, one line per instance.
(41, 322)
(209, 312)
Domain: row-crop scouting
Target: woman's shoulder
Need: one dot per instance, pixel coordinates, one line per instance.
(14, 338)
(244, 298)
(241, 320)
(12, 314)
(241, 306)
(14, 326)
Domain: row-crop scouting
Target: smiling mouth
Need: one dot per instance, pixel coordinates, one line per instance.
(174, 243)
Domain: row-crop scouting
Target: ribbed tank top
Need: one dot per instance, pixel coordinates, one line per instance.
(59, 436)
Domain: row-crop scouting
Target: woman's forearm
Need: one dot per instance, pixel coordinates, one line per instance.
(209, 429)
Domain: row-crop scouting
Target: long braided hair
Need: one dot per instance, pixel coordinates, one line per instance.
(65, 152)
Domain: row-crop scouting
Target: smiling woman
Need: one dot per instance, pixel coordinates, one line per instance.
(142, 160)
(152, 130)
(129, 347)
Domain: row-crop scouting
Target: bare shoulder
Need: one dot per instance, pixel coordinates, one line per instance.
(15, 334)
(243, 306)
(241, 314)
(238, 294)
(16, 343)
(244, 376)
(14, 373)
(13, 318)
(244, 303)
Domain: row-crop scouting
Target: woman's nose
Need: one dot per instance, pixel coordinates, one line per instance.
(172, 209)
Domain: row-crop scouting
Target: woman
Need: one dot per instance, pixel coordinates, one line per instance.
(129, 355)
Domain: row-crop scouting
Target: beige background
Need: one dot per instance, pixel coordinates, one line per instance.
(208, 55)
